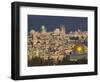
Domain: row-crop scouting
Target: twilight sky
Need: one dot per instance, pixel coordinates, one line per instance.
(51, 22)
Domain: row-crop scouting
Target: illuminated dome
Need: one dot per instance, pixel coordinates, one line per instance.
(43, 29)
(80, 48)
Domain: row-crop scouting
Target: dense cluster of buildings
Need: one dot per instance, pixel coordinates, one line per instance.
(56, 44)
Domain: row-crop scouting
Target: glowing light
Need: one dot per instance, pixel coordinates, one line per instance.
(79, 49)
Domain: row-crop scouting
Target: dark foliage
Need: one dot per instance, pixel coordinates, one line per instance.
(41, 62)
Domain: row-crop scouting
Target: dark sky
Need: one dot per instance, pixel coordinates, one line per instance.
(51, 22)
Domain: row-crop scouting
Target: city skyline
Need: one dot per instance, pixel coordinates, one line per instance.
(57, 40)
(51, 22)
(57, 47)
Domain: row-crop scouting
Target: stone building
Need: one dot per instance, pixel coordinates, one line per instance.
(53, 45)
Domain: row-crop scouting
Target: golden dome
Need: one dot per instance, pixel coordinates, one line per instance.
(80, 48)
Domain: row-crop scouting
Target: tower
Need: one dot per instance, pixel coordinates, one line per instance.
(62, 29)
(43, 30)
